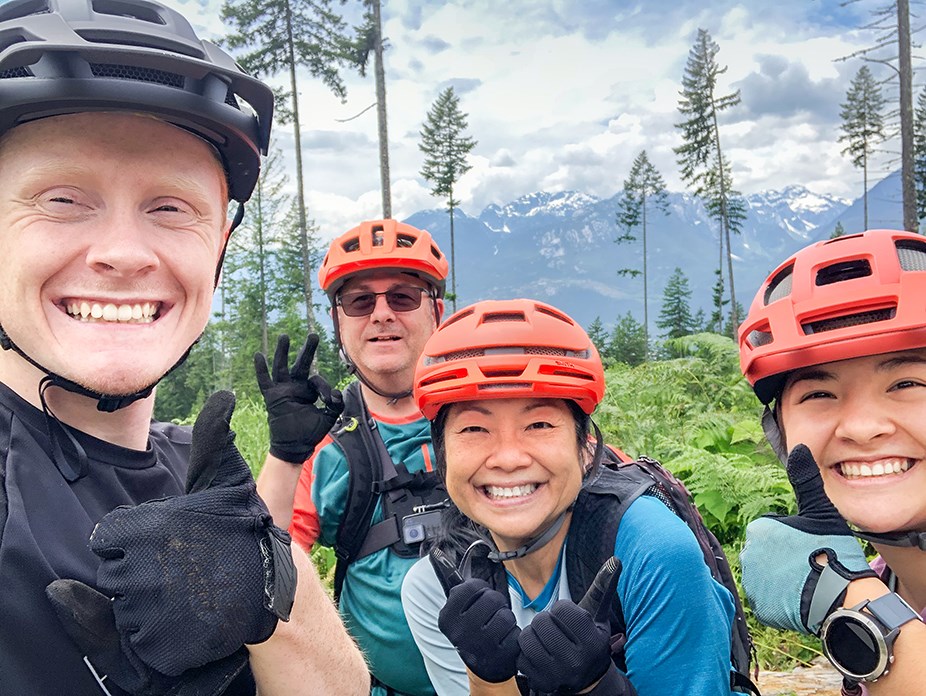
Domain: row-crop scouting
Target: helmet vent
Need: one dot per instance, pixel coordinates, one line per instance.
(842, 271)
(14, 72)
(780, 286)
(554, 314)
(351, 244)
(503, 316)
(859, 319)
(134, 10)
(912, 255)
(462, 314)
(759, 338)
(436, 253)
(505, 385)
(12, 10)
(405, 240)
(130, 72)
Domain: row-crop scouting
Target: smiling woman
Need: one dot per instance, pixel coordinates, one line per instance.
(835, 345)
(510, 387)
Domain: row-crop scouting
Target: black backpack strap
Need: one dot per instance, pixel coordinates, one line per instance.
(354, 434)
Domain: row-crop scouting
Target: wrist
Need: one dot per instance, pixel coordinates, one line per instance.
(288, 456)
(611, 683)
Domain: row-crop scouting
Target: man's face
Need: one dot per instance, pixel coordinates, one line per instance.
(111, 226)
(387, 343)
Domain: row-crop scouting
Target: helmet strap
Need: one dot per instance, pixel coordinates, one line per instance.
(106, 403)
(910, 539)
(773, 433)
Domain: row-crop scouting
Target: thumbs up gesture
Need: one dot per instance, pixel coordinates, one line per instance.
(184, 581)
(567, 649)
(780, 571)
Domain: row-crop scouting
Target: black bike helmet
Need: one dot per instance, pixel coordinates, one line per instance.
(70, 56)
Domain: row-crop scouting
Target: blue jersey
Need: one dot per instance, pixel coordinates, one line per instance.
(370, 599)
(679, 619)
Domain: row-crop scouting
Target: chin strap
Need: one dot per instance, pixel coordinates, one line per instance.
(106, 403)
(547, 535)
(910, 539)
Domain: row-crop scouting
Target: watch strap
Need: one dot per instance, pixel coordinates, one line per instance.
(890, 610)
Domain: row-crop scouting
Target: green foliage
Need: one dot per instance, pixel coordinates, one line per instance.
(628, 341)
(919, 153)
(838, 231)
(862, 117)
(675, 316)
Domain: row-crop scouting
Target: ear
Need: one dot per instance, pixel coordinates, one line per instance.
(438, 311)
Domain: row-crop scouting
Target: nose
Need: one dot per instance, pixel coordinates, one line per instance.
(382, 312)
(862, 420)
(508, 453)
(122, 246)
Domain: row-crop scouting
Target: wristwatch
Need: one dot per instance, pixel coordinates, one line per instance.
(859, 642)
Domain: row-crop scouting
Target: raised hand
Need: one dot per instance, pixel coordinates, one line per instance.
(483, 629)
(567, 649)
(785, 584)
(297, 424)
(184, 581)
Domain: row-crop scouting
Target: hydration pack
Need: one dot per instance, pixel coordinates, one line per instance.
(597, 514)
(411, 502)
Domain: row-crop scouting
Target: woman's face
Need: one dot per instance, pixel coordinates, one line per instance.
(513, 465)
(864, 420)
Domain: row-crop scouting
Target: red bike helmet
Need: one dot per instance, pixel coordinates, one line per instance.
(848, 297)
(508, 349)
(382, 245)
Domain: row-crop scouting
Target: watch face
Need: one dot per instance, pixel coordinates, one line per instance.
(853, 648)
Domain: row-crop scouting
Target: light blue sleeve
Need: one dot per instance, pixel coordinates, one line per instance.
(679, 619)
(422, 599)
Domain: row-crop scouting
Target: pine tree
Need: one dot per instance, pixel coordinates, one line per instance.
(644, 185)
(675, 316)
(628, 341)
(369, 40)
(838, 231)
(445, 148)
(703, 166)
(862, 125)
(919, 156)
(283, 36)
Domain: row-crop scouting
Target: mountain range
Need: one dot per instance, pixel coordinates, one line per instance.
(561, 248)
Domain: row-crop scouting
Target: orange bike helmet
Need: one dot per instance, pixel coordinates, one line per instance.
(508, 349)
(382, 245)
(847, 297)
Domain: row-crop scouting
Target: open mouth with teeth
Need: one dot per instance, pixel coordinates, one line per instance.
(510, 492)
(383, 339)
(137, 313)
(869, 470)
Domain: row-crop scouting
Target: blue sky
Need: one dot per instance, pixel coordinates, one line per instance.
(563, 94)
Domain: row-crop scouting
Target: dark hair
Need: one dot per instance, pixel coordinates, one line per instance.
(457, 531)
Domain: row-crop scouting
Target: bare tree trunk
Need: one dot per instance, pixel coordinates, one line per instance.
(645, 294)
(380, 74)
(453, 268)
(262, 259)
(725, 225)
(910, 221)
(300, 187)
(865, 190)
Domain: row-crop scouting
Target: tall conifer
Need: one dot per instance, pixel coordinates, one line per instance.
(862, 125)
(445, 147)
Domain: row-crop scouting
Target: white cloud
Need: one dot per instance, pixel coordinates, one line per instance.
(564, 94)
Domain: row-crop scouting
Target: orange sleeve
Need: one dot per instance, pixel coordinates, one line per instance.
(305, 526)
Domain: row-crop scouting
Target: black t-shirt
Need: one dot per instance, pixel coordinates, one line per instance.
(45, 525)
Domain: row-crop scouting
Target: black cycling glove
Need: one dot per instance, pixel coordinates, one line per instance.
(297, 425)
(483, 629)
(785, 585)
(568, 649)
(193, 577)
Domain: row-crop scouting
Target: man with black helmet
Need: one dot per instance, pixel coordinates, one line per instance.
(122, 139)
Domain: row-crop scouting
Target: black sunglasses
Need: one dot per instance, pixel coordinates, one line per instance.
(402, 298)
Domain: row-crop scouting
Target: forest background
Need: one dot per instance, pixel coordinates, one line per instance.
(677, 396)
